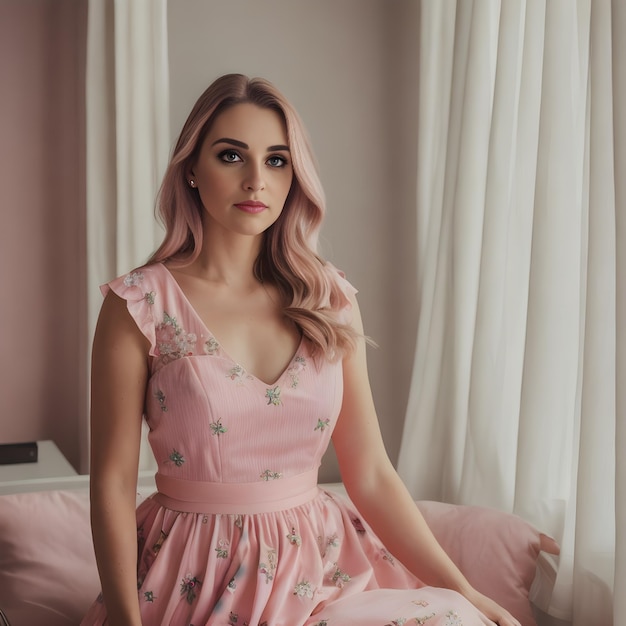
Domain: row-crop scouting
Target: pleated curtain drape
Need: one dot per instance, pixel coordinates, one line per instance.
(127, 95)
(515, 399)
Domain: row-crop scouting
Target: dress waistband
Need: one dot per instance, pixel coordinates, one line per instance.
(259, 497)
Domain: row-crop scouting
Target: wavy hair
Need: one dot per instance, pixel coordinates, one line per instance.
(289, 256)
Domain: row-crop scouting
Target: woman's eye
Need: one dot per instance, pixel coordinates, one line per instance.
(229, 156)
(276, 161)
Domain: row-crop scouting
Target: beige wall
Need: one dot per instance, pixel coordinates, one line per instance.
(43, 363)
(349, 67)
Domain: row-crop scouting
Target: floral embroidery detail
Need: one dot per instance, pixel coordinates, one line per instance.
(233, 618)
(222, 549)
(303, 589)
(159, 542)
(322, 425)
(236, 372)
(160, 396)
(453, 619)
(401, 621)
(358, 525)
(340, 578)
(232, 585)
(172, 341)
(388, 557)
(239, 521)
(133, 279)
(149, 596)
(149, 297)
(177, 458)
(420, 603)
(323, 543)
(188, 587)
(323, 622)
(217, 428)
(269, 475)
(211, 346)
(299, 363)
(205, 519)
(270, 567)
(294, 538)
(273, 396)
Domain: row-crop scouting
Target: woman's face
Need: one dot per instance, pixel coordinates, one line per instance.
(243, 171)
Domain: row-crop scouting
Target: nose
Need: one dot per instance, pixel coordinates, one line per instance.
(253, 180)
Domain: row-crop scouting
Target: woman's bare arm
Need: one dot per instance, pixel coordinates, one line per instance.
(118, 386)
(381, 497)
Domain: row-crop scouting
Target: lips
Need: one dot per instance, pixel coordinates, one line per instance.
(251, 206)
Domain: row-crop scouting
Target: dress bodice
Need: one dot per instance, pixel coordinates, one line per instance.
(210, 419)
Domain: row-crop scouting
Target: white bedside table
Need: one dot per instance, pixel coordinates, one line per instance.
(50, 465)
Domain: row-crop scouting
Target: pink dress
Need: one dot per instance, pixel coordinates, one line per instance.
(238, 533)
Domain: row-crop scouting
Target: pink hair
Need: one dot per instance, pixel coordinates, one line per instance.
(289, 258)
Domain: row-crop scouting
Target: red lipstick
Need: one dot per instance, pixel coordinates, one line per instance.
(251, 206)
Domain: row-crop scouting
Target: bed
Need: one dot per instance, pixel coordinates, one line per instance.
(48, 574)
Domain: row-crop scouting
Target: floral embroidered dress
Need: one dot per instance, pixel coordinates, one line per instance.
(238, 533)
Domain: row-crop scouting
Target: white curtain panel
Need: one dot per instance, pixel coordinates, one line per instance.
(127, 140)
(514, 397)
(618, 29)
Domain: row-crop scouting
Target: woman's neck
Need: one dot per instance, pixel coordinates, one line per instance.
(228, 260)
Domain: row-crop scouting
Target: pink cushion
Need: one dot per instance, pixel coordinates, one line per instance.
(47, 566)
(496, 551)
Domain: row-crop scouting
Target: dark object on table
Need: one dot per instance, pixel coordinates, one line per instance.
(18, 453)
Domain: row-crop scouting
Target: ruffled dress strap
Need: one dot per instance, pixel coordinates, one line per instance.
(139, 288)
(342, 304)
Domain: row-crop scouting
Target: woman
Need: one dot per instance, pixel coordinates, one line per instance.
(245, 351)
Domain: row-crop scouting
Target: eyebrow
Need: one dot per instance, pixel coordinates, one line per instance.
(245, 146)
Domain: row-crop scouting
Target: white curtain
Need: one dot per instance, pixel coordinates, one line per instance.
(127, 140)
(618, 23)
(515, 401)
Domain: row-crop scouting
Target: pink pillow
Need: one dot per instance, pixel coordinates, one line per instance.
(496, 551)
(48, 570)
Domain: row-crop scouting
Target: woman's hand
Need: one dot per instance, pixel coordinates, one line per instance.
(492, 609)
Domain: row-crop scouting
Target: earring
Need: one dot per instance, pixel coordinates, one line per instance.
(192, 183)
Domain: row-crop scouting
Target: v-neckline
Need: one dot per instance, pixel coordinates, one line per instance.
(224, 352)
